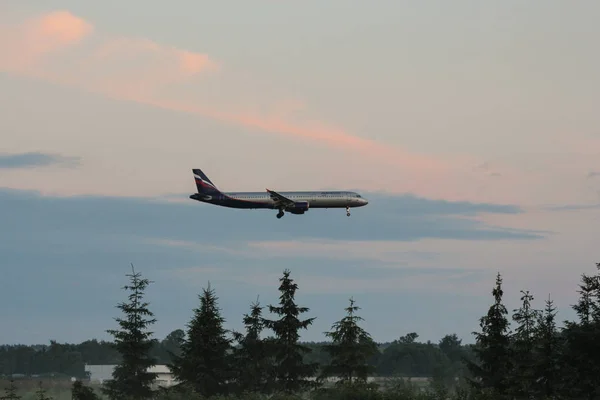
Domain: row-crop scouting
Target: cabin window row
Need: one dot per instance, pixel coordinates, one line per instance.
(262, 196)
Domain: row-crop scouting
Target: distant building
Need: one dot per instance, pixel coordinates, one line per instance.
(99, 373)
(164, 376)
(102, 373)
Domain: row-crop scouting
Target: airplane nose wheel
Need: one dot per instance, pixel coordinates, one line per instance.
(347, 211)
(280, 214)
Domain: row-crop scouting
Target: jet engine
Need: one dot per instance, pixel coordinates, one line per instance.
(300, 207)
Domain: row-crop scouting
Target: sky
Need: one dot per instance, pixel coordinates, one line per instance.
(471, 128)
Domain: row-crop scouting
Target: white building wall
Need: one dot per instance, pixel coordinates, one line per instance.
(102, 373)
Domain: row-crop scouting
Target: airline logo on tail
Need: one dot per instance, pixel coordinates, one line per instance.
(203, 183)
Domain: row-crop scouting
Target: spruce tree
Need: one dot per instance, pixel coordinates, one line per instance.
(133, 341)
(582, 355)
(254, 364)
(523, 346)
(81, 392)
(204, 362)
(291, 370)
(547, 354)
(10, 393)
(492, 348)
(351, 349)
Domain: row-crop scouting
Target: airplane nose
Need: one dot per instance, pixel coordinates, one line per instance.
(365, 202)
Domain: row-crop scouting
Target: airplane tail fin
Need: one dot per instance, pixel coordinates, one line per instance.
(204, 184)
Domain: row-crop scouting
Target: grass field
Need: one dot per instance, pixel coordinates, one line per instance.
(60, 389)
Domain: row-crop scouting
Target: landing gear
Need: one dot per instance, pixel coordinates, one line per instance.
(280, 214)
(347, 211)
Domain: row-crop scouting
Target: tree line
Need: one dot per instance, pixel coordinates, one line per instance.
(405, 356)
(536, 359)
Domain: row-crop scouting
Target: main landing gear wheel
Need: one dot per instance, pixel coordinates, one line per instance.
(347, 211)
(280, 214)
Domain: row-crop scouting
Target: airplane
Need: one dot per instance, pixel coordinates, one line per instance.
(292, 202)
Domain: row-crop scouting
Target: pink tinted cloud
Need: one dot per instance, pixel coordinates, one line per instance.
(25, 45)
(315, 132)
(139, 69)
(142, 54)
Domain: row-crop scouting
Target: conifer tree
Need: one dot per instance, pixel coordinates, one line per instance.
(291, 370)
(546, 367)
(523, 346)
(254, 364)
(582, 354)
(492, 347)
(133, 341)
(81, 392)
(351, 349)
(204, 362)
(10, 393)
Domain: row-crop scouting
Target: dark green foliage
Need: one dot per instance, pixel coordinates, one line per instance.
(351, 349)
(253, 363)
(409, 338)
(451, 366)
(131, 378)
(547, 354)
(172, 343)
(81, 392)
(411, 359)
(10, 393)
(34, 358)
(317, 354)
(164, 350)
(292, 372)
(205, 362)
(538, 361)
(452, 347)
(349, 391)
(492, 348)
(523, 343)
(64, 359)
(582, 352)
(68, 360)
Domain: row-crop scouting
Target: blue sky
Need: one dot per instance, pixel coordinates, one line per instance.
(471, 129)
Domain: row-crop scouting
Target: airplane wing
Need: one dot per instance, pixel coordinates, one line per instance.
(280, 201)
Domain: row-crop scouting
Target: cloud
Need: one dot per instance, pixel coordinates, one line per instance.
(413, 205)
(574, 207)
(593, 174)
(385, 218)
(136, 69)
(31, 160)
(66, 49)
(25, 45)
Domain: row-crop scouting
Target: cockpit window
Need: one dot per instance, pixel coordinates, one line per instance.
(358, 195)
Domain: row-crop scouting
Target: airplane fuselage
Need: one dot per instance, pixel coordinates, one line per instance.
(258, 200)
(292, 202)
